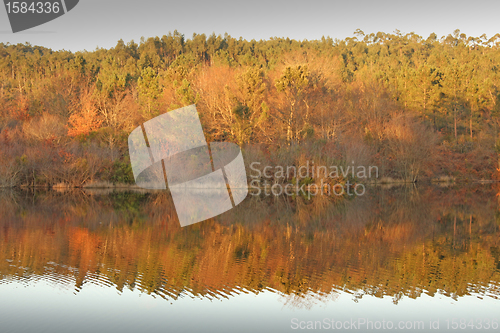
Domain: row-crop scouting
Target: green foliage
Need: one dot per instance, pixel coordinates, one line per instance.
(122, 172)
(149, 91)
(185, 92)
(129, 205)
(181, 68)
(294, 80)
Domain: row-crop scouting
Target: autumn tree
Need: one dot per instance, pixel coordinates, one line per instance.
(251, 109)
(410, 145)
(292, 84)
(452, 88)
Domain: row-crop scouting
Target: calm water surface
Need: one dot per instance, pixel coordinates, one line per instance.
(407, 258)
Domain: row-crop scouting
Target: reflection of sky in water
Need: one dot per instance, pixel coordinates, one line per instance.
(45, 306)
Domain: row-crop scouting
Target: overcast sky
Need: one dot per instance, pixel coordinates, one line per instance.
(101, 23)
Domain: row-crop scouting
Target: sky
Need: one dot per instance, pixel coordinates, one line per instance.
(101, 23)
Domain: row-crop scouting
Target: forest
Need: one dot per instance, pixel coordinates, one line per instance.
(417, 108)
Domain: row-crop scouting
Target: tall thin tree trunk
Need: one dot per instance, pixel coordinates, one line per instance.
(289, 127)
(454, 230)
(434, 116)
(470, 225)
(470, 124)
(455, 120)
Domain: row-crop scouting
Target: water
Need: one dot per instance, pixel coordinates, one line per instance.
(408, 258)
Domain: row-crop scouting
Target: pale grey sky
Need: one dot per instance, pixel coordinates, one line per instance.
(102, 23)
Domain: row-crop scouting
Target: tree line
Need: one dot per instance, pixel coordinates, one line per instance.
(416, 107)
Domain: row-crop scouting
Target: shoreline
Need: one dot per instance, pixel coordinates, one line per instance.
(385, 182)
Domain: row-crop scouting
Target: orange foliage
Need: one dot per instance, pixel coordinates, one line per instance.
(86, 120)
(83, 123)
(20, 111)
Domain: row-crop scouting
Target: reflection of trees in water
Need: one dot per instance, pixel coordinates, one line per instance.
(396, 242)
(309, 299)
